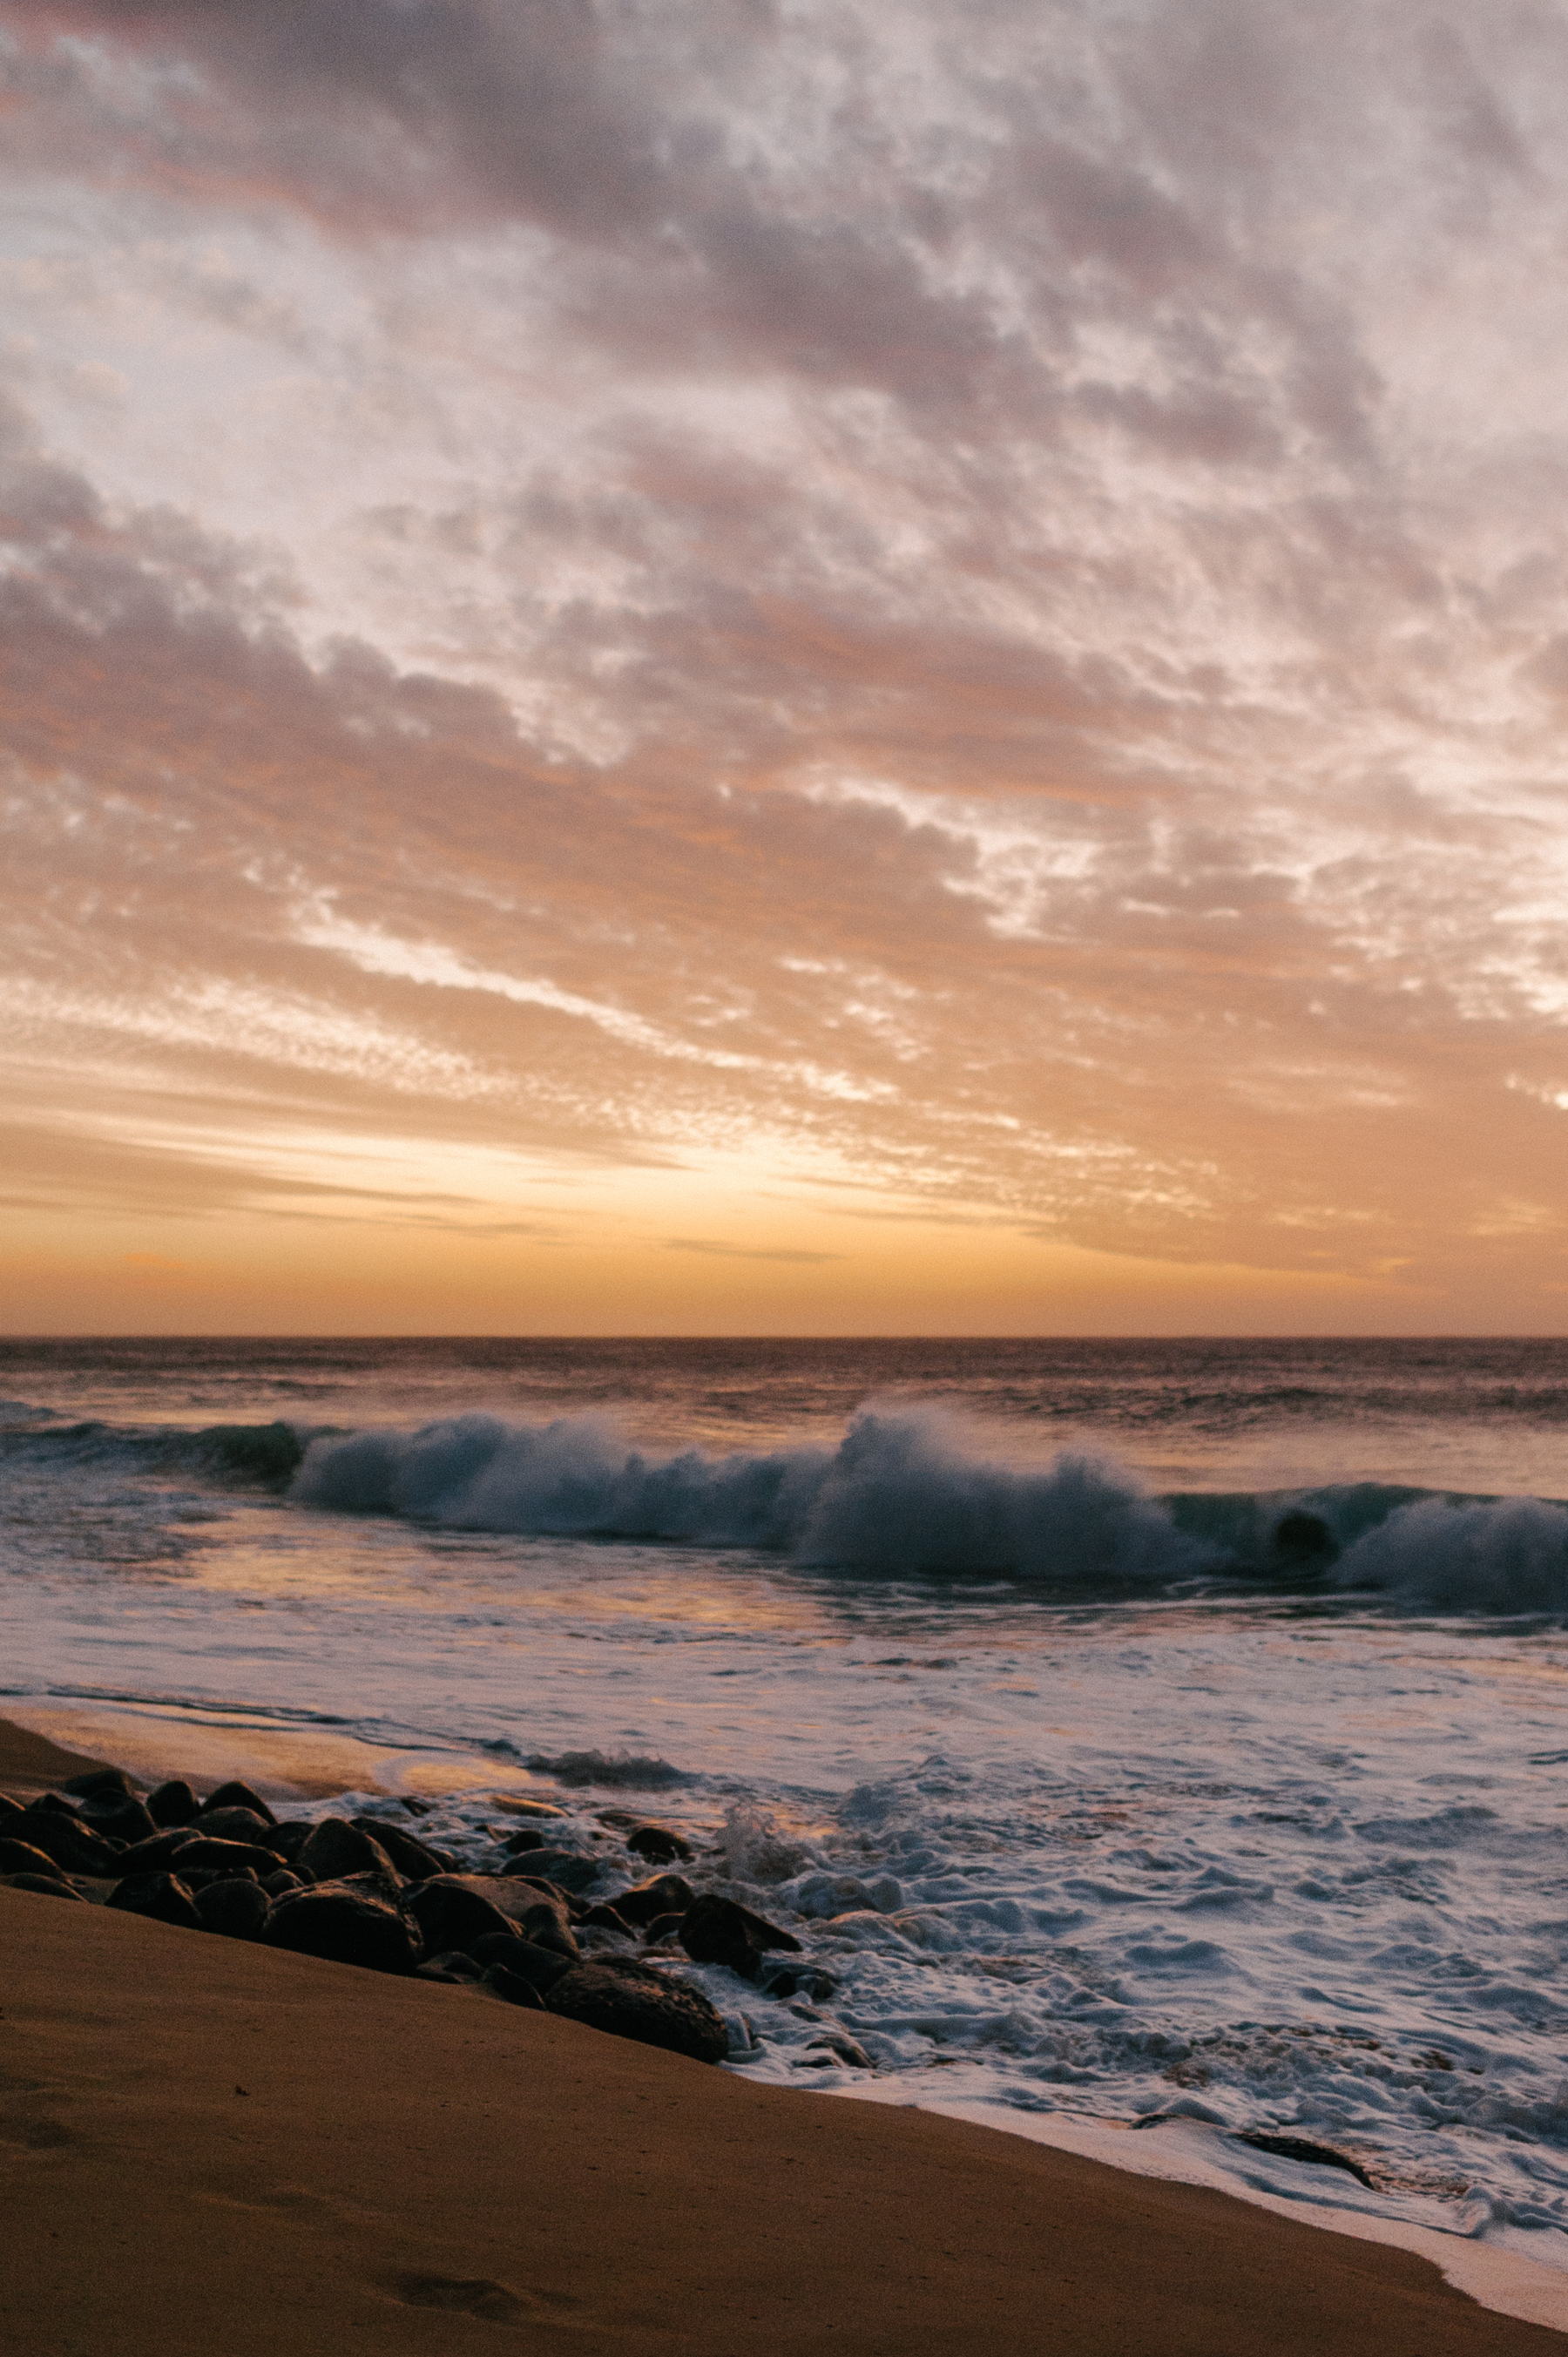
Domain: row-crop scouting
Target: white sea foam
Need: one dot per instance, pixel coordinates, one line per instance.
(1491, 1554)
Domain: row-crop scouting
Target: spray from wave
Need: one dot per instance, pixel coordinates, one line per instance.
(901, 1494)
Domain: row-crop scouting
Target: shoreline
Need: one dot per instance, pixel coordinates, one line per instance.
(892, 2228)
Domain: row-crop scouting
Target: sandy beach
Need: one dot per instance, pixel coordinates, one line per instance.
(206, 2144)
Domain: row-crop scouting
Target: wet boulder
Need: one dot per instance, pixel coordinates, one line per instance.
(289, 1836)
(567, 1867)
(410, 1855)
(280, 1880)
(156, 1856)
(65, 1840)
(541, 1967)
(451, 1914)
(347, 1925)
(121, 1820)
(173, 1804)
(604, 1918)
(235, 1824)
(548, 1925)
(238, 1908)
(215, 1856)
(24, 1857)
(335, 1848)
(106, 1786)
(47, 1886)
(658, 1843)
(666, 1894)
(718, 1931)
(629, 2000)
(235, 1796)
(163, 1897)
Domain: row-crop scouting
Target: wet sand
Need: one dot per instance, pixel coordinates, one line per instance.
(205, 2146)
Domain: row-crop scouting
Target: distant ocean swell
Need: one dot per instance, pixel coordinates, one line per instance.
(906, 1491)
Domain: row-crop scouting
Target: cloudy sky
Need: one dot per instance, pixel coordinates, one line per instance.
(807, 667)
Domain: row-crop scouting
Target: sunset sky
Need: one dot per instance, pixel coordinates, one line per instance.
(803, 668)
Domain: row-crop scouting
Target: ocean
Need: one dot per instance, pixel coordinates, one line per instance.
(1159, 1734)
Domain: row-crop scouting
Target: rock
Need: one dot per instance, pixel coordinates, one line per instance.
(513, 1987)
(123, 1819)
(408, 1854)
(172, 1804)
(451, 1914)
(274, 1885)
(666, 1894)
(335, 1848)
(662, 1928)
(237, 1908)
(658, 1843)
(798, 1980)
(235, 1824)
(236, 1795)
(452, 1964)
(718, 1932)
(604, 1918)
(628, 2000)
(108, 1785)
(289, 1838)
(55, 1801)
(548, 1926)
(217, 1856)
(164, 1896)
(47, 1886)
(348, 1926)
(23, 1857)
(1291, 2147)
(153, 1857)
(65, 1840)
(836, 2046)
(541, 1967)
(566, 1867)
(515, 1844)
(8, 1807)
(518, 1892)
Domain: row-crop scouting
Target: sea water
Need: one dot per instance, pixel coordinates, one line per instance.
(1164, 1736)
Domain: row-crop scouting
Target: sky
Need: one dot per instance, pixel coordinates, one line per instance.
(751, 668)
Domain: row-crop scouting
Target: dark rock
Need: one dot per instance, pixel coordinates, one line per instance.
(106, 1784)
(798, 1980)
(123, 1819)
(9, 1808)
(289, 1838)
(718, 1931)
(274, 1885)
(410, 1855)
(348, 1926)
(172, 1804)
(604, 1918)
(639, 2003)
(564, 1866)
(238, 1908)
(47, 1886)
(517, 1892)
(153, 1857)
(65, 1841)
(452, 1964)
(548, 1926)
(541, 1967)
(667, 1894)
(513, 1987)
(235, 1824)
(836, 2046)
(336, 1848)
(217, 1856)
(662, 1928)
(24, 1857)
(515, 1844)
(236, 1795)
(164, 1896)
(452, 1914)
(56, 1802)
(1290, 2148)
(657, 1844)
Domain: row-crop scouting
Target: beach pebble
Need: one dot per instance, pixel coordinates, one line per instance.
(452, 1914)
(411, 1856)
(348, 1926)
(718, 1931)
(237, 1908)
(164, 1896)
(666, 1894)
(630, 2000)
(335, 1848)
(541, 1967)
(658, 1843)
(47, 1886)
(173, 1804)
(236, 1795)
(24, 1857)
